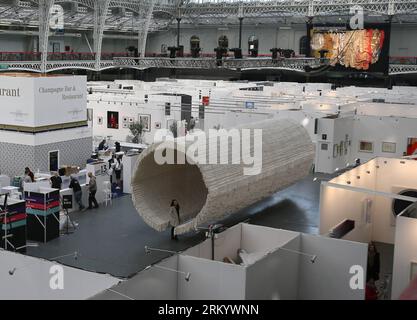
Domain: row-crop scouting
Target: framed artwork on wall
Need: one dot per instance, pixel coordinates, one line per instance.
(389, 147)
(366, 146)
(112, 120)
(411, 146)
(145, 119)
(100, 121)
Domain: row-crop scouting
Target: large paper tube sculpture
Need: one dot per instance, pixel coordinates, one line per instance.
(209, 192)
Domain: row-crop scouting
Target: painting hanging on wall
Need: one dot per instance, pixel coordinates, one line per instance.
(366, 146)
(112, 120)
(389, 147)
(145, 119)
(411, 146)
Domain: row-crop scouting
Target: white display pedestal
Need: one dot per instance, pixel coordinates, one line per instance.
(129, 163)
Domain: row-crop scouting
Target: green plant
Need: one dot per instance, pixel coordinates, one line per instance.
(136, 129)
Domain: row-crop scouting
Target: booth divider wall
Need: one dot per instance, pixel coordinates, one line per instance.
(149, 284)
(394, 176)
(27, 278)
(275, 277)
(405, 253)
(210, 280)
(336, 205)
(274, 273)
(380, 180)
(329, 276)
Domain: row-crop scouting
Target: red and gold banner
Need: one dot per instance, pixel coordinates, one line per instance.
(353, 49)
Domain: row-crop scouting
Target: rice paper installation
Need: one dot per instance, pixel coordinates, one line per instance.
(356, 49)
(207, 193)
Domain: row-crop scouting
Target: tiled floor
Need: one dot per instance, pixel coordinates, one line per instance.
(112, 239)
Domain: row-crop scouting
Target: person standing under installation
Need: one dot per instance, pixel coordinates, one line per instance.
(78, 194)
(92, 189)
(174, 217)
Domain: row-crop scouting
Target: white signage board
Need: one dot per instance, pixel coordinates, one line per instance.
(35, 102)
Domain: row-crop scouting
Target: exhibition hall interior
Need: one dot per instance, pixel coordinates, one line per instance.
(208, 150)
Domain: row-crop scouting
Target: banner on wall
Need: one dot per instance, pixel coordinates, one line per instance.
(357, 49)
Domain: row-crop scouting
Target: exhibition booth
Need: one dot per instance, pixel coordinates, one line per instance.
(365, 131)
(251, 262)
(345, 123)
(370, 203)
(28, 278)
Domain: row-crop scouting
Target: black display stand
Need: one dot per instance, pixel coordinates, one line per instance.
(13, 224)
(42, 210)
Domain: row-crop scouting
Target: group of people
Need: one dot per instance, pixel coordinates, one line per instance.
(103, 146)
(78, 194)
(116, 166)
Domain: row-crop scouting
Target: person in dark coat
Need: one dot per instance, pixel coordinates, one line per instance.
(76, 188)
(92, 189)
(174, 217)
(373, 263)
(102, 145)
(56, 181)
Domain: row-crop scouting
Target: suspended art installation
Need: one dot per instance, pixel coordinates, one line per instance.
(355, 49)
(207, 193)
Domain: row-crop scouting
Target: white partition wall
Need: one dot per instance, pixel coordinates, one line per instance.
(283, 271)
(337, 205)
(394, 176)
(380, 181)
(150, 284)
(210, 280)
(405, 254)
(275, 277)
(328, 277)
(28, 278)
(264, 239)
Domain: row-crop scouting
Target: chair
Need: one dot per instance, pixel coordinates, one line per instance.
(108, 196)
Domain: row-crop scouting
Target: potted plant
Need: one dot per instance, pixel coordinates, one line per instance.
(136, 129)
